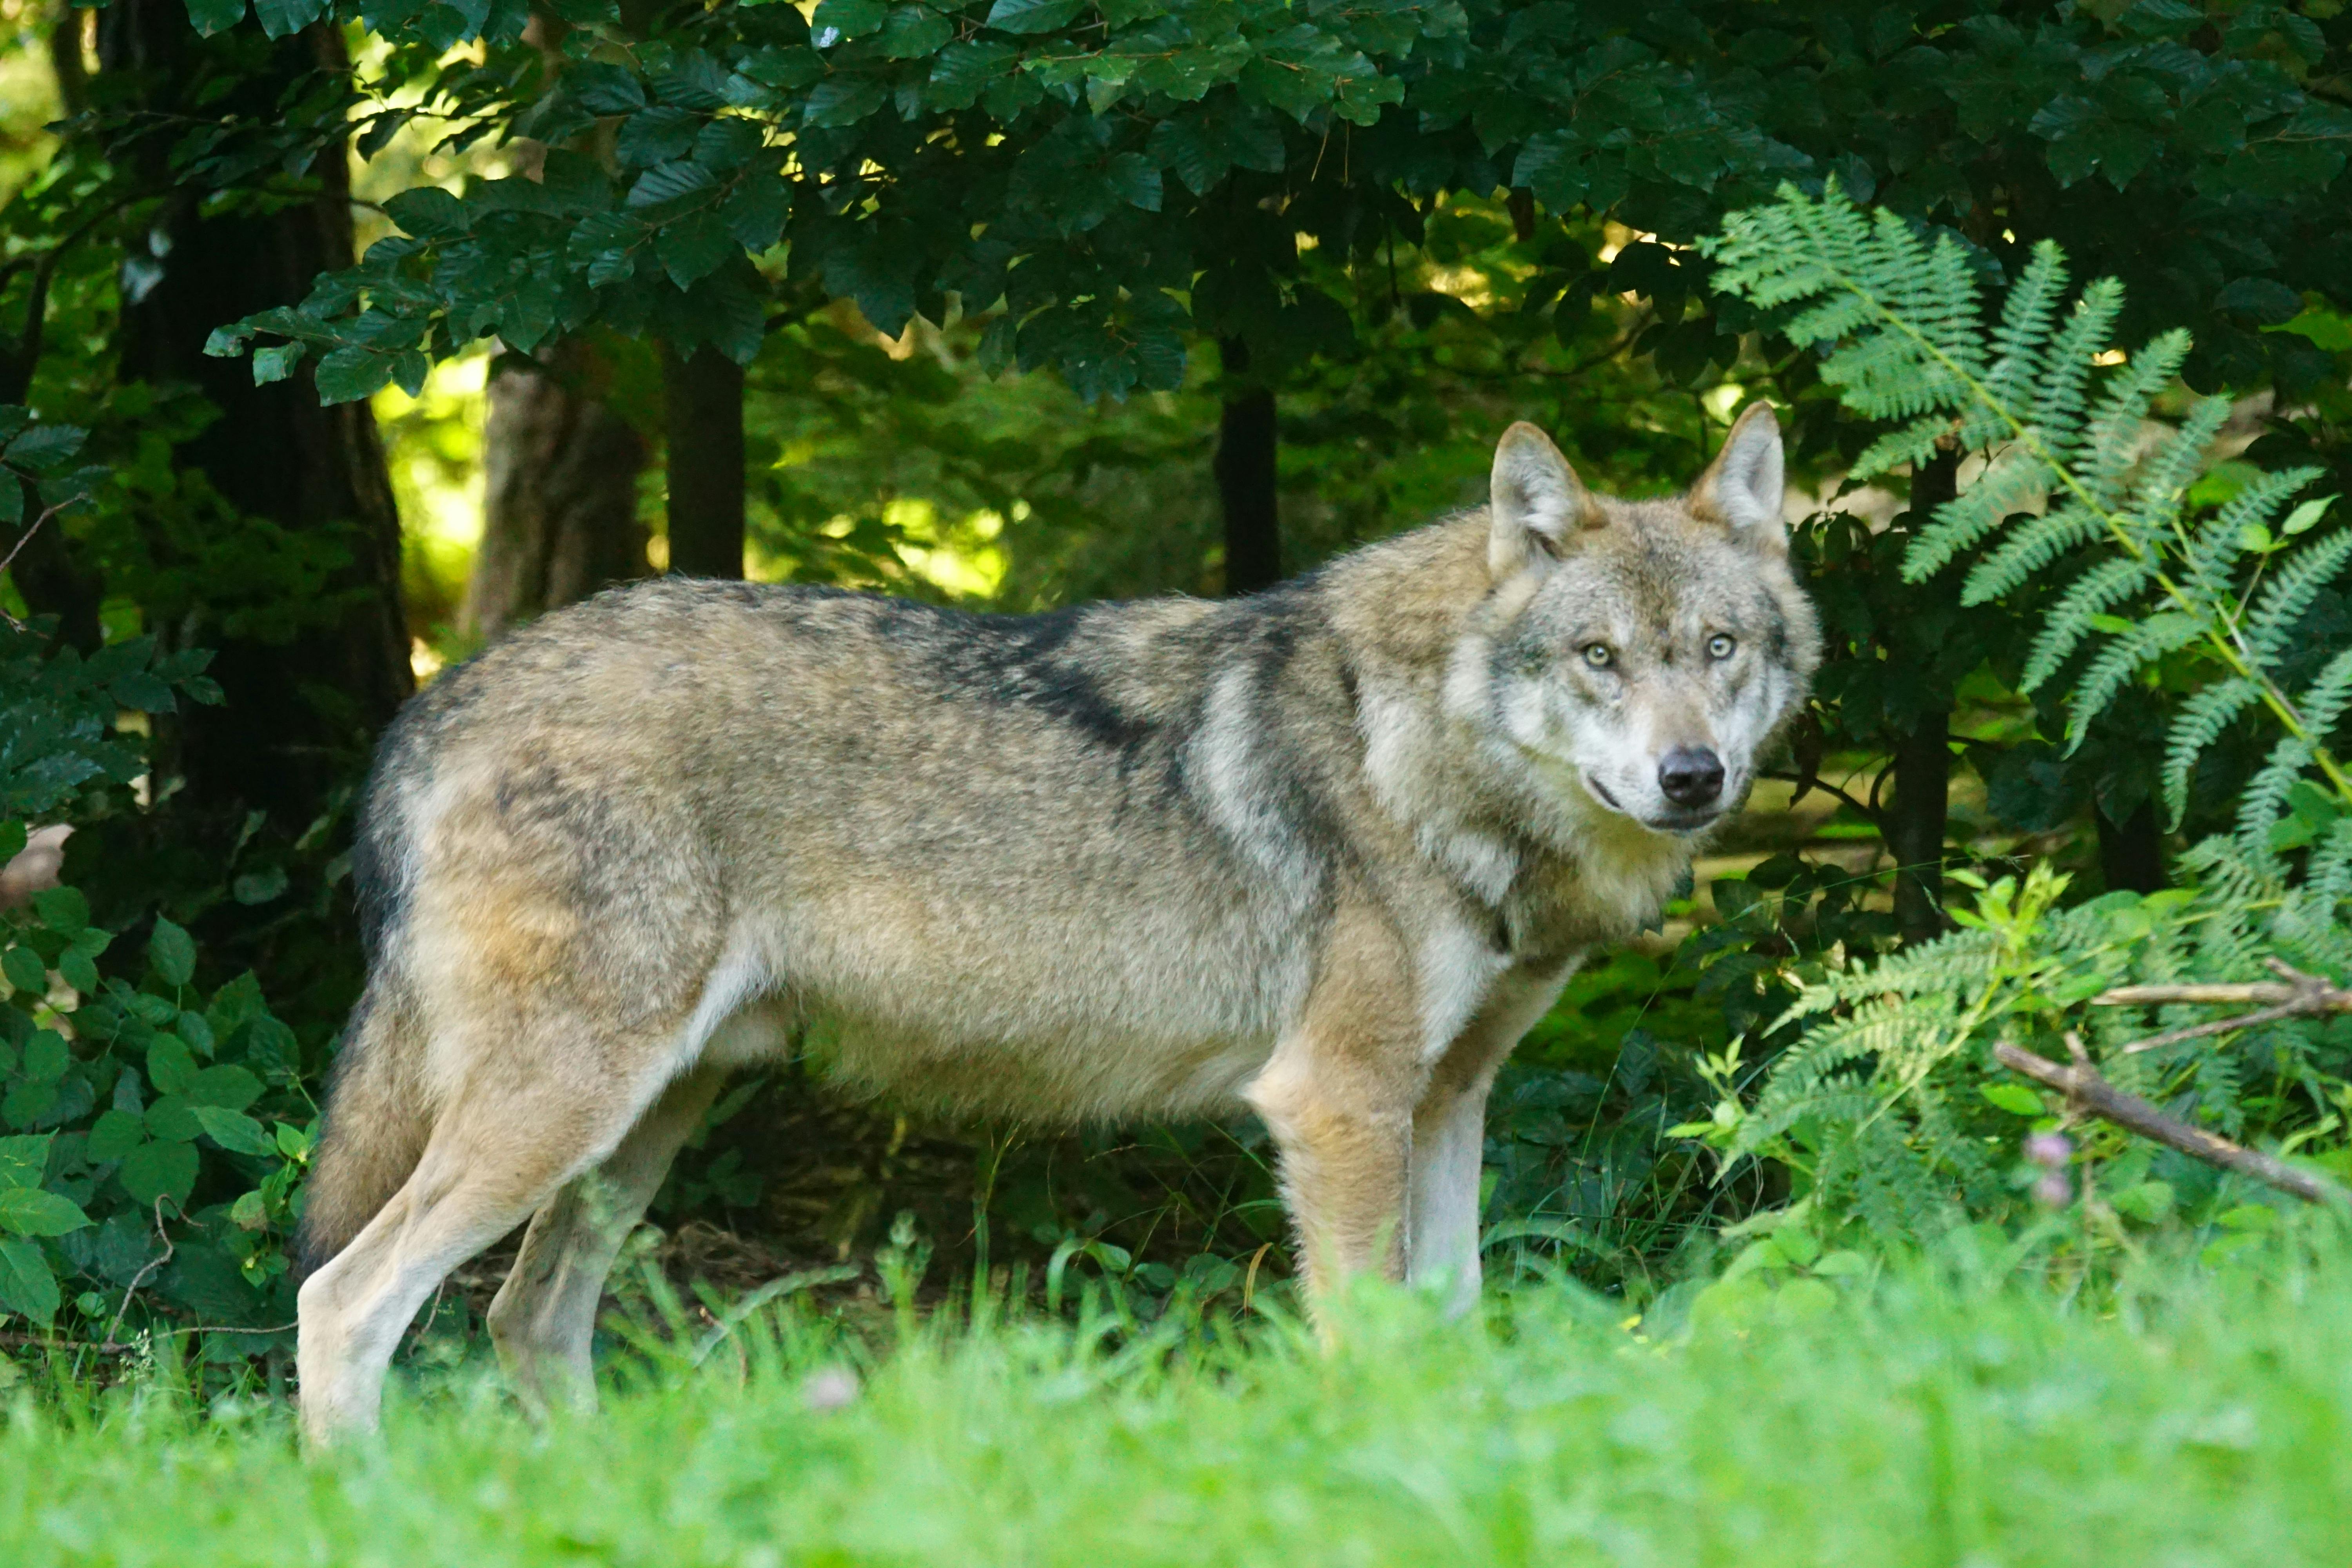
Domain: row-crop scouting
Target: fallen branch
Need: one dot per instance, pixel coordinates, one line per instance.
(2296, 995)
(2085, 1089)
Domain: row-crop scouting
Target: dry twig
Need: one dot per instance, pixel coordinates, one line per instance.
(2086, 1090)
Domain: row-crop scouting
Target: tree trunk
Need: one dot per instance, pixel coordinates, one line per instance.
(1245, 477)
(305, 701)
(2131, 852)
(1923, 762)
(703, 403)
(560, 509)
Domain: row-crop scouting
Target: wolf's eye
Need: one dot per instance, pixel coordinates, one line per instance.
(1720, 646)
(1597, 655)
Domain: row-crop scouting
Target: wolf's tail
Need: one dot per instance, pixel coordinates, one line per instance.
(377, 1121)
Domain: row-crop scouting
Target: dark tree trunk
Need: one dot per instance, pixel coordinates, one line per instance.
(1923, 762)
(703, 403)
(1245, 477)
(2131, 852)
(302, 706)
(559, 509)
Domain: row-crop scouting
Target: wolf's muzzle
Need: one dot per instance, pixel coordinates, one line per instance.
(1691, 776)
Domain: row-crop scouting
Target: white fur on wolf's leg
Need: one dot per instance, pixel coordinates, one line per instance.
(543, 1321)
(491, 1164)
(1449, 1138)
(353, 1311)
(1442, 1246)
(35, 867)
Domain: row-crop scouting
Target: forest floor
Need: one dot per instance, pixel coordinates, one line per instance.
(2192, 1418)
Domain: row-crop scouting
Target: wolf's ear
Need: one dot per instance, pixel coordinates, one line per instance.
(1742, 487)
(1536, 501)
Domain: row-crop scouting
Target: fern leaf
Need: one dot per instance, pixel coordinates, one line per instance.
(2060, 398)
(2111, 442)
(2028, 317)
(2291, 592)
(2263, 800)
(2095, 592)
(2017, 481)
(2198, 724)
(2208, 577)
(2029, 547)
(2121, 660)
(2164, 479)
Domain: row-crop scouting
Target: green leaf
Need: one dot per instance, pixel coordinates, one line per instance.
(29, 1211)
(46, 446)
(2015, 1099)
(351, 373)
(656, 135)
(172, 1120)
(755, 214)
(843, 100)
(212, 16)
(846, 19)
(24, 1161)
(1031, 15)
(26, 1285)
(693, 247)
(12, 499)
(292, 1140)
(234, 1130)
(115, 1134)
(914, 32)
(603, 89)
(171, 952)
(154, 1171)
(2303, 517)
(171, 1066)
(45, 1057)
(63, 910)
(283, 18)
(25, 970)
(667, 182)
(76, 970)
(227, 1087)
(428, 211)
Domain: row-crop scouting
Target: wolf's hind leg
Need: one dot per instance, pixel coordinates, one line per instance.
(496, 1156)
(545, 1318)
(1449, 1135)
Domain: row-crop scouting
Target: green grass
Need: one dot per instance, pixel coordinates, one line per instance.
(2195, 1420)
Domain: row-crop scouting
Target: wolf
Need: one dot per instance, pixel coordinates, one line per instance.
(1323, 852)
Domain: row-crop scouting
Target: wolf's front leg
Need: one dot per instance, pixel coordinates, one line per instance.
(1338, 1095)
(1449, 1133)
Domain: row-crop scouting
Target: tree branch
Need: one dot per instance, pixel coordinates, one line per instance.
(2085, 1089)
(2300, 995)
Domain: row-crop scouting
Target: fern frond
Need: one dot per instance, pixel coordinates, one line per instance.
(2163, 481)
(2111, 441)
(2031, 546)
(2197, 726)
(2121, 660)
(2028, 317)
(2208, 575)
(2321, 704)
(2263, 801)
(2292, 589)
(2095, 592)
(2060, 395)
(2016, 482)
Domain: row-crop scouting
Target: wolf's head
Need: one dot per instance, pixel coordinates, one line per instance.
(1657, 647)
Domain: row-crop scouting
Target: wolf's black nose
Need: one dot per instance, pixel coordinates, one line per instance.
(1691, 776)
